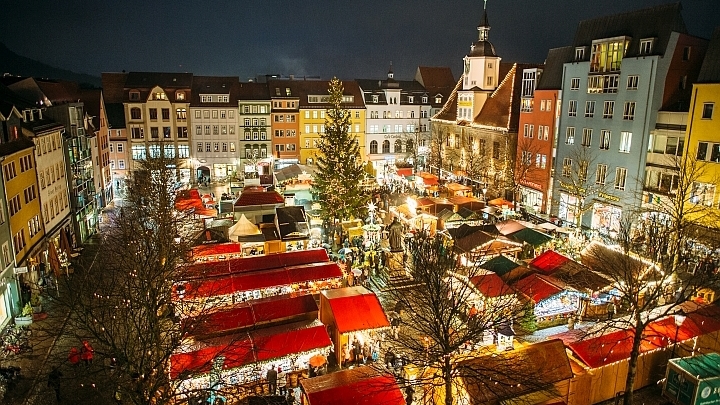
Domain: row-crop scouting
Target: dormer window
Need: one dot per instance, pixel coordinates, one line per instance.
(424, 100)
(375, 98)
(277, 91)
(179, 95)
(579, 53)
(134, 95)
(159, 96)
(411, 99)
(206, 99)
(646, 46)
(438, 99)
(288, 92)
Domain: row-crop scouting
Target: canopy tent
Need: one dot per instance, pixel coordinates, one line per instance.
(243, 227)
(500, 265)
(257, 280)
(356, 308)
(246, 348)
(531, 237)
(548, 226)
(216, 250)
(254, 263)
(250, 314)
(428, 179)
(501, 202)
(358, 386)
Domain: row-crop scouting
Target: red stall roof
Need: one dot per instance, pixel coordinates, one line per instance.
(248, 347)
(358, 386)
(356, 308)
(255, 263)
(252, 313)
(216, 249)
(549, 261)
(539, 287)
(261, 279)
(615, 346)
(491, 285)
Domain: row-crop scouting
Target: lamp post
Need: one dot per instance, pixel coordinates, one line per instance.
(484, 191)
(679, 319)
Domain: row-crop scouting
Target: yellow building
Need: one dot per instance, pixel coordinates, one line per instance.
(22, 197)
(703, 134)
(313, 105)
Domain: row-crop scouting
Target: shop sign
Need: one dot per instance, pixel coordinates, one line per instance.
(392, 136)
(609, 197)
(21, 270)
(572, 188)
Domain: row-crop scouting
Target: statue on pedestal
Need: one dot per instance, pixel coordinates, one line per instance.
(395, 235)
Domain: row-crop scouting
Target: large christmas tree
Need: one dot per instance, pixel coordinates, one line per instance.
(338, 180)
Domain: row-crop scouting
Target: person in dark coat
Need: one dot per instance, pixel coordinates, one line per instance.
(54, 382)
(271, 377)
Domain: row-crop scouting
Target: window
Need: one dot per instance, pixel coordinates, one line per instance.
(579, 53)
(604, 139)
(572, 108)
(567, 167)
(166, 114)
(138, 152)
(166, 132)
(280, 148)
(601, 174)
(135, 113)
(570, 136)
(223, 130)
(686, 53)
(620, 175)
(575, 83)
(707, 111)
(541, 132)
(232, 146)
(154, 132)
(607, 54)
(625, 141)
(181, 114)
(398, 146)
(19, 241)
(589, 109)
(386, 146)
(586, 137)
(216, 146)
(208, 146)
(632, 82)
(646, 46)
(702, 193)
(214, 114)
(134, 95)
(216, 130)
(121, 164)
(205, 99)
(496, 150)
(629, 111)
(153, 114)
(701, 151)
(29, 194)
(224, 147)
(373, 147)
(608, 109)
(183, 151)
(182, 132)
(137, 133)
(715, 153)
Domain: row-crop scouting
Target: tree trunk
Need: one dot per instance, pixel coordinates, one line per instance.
(632, 367)
(447, 375)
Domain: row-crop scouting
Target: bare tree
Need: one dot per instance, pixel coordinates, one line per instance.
(649, 283)
(583, 178)
(439, 147)
(445, 317)
(529, 166)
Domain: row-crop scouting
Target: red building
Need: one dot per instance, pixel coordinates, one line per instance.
(537, 130)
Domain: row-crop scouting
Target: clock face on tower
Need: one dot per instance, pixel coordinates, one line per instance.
(467, 65)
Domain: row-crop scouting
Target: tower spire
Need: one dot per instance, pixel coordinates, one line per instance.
(484, 27)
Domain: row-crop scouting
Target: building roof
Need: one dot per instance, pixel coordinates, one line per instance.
(355, 309)
(59, 92)
(435, 78)
(502, 108)
(253, 91)
(305, 88)
(116, 115)
(22, 143)
(255, 198)
(491, 285)
(500, 265)
(147, 80)
(358, 386)
(92, 100)
(113, 85)
(449, 109)
(539, 287)
(710, 70)
(548, 262)
(702, 367)
(653, 22)
(551, 78)
(544, 363)
(221, 85)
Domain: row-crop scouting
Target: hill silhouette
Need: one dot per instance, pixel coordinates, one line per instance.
(14, 64)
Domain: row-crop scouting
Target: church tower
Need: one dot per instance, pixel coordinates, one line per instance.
(481, 72)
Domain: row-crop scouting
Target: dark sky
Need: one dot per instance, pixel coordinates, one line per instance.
(348, 39)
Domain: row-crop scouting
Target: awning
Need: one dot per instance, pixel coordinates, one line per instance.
(245, 348)
(539, 287)
(356, 308)
(531, 236)
(358, 386)
(216, 249)
(251, 313)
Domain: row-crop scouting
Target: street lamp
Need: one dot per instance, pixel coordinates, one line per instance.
(679, 319)
(484, 191)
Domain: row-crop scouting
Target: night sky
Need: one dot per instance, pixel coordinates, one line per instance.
(348, 39)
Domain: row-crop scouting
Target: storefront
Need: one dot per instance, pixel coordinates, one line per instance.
(606, 218)
(223, 170)
(567, 210)
(355, 319)
(531, 198)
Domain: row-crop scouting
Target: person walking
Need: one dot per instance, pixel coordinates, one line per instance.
(74, 357)
(87, 353)
(54, 382)
(271, 377)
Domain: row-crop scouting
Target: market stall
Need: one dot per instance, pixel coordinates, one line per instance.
(216, 251)
(505, 267)
(550, 296)
(354, 317)
(455, 189)
(245, 357)
(358, 386)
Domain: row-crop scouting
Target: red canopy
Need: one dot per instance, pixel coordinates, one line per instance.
(257, 280)
(358, 386)
(549, 261)
(491, 285)
(254, 263)
(216, 249)
(539, 287)
(252, 313)
(356, 308)
(249, 347)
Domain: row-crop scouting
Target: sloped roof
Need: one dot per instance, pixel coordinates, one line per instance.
(113, 85)
(163, 79)
(223, 85)
(549, 261)
(116, 115)
(710, 70)
(539, 287)
(531, 236)
(500, 265)
(435, 78)
(551, 78)
(355, 309)
(59, 91)
(491, 285)
(253, 198)
(358, 386)
(449, 110)
(253, 91)
(652, 22)
(502, 108)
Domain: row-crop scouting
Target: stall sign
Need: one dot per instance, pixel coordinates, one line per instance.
(21, 270)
